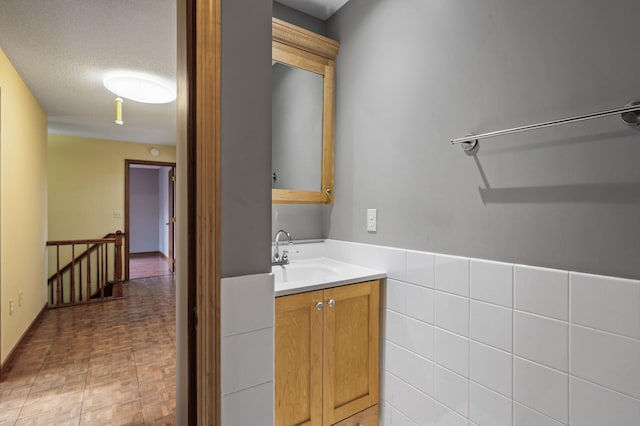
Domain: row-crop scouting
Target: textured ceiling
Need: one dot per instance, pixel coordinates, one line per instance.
(63, 48)
(321, 9)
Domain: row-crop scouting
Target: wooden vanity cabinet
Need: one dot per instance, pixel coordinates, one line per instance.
(327, 356)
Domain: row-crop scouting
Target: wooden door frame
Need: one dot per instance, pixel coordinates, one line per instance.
(171, 201)
(201, 73)
(127, 204)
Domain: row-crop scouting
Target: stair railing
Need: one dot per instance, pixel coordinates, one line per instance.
(89, 274)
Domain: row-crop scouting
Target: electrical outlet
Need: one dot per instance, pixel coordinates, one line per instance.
(20, 299)
(11, 306)
(372, 220)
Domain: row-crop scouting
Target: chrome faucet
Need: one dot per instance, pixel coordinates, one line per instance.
(277, 259)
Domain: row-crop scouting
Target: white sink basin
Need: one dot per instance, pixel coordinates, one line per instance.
(303, 271)
(314, 274)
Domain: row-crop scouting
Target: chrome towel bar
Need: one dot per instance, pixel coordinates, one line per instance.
(630, 115)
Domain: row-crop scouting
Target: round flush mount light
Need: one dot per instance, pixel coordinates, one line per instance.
(140, 87)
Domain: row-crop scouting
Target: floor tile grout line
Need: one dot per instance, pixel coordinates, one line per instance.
(120, 318)
(86, 378)
(34, 380)
(135, 362)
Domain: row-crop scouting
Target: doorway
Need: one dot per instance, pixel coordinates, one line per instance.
(149, 219)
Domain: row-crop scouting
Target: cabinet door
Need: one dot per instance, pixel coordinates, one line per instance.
(351, 350)
(298, 360)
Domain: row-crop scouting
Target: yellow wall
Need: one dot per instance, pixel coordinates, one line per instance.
(23, 206)
(86, 184)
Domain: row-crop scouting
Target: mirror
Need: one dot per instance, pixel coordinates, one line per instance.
(303, 96)
(296, 128)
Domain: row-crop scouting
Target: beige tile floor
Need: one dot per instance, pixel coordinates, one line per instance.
(105, 363)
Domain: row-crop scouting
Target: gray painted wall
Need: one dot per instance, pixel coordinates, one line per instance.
(297, 99)
(144, 210)
(246, 137)
(303, 221)
(298, 18)
(566, 197)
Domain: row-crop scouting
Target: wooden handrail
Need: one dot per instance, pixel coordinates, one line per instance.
(109, 238)
(77, 242)
(102, 272)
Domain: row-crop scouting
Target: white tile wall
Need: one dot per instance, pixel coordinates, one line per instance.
(452, 351)
(605, 303)
(415, 405)
(487, 408)
(593, 405)
(411, 334)
(260, 400)
(543, 340)
(452, 390)
(452, 274)
(420, 303)
(491, 367)
(391, 416)
(543, 347)
(410, 367)
(392, 261)
(524, 416)
(541, 291)
(607, 359)
(491, 282)
(246, 321)
(245, 362)
(447, 417)
(247, 304)
(541, 388)
(491, 324)
(420, 268)
(452, 313)
(396, 295)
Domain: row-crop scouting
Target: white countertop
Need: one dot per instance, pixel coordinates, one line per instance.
(318, 273)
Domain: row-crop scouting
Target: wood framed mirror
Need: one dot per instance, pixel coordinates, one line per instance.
(303, 114)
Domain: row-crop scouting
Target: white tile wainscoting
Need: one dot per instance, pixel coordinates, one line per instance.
(480, 343)
(466, 342)
(247, 341)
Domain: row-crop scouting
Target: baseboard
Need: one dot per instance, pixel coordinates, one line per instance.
(7, 363)
(146, 253)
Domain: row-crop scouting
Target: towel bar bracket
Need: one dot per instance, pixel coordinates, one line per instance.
(471, 147)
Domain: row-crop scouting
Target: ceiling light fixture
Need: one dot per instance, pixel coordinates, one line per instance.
(140, 87)
(119, 111)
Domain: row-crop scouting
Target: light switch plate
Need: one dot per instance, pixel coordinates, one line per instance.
(372, 220)
(117, 214)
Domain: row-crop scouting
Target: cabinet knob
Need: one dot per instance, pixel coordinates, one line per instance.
(331, 303)
(319, 306)
(359, 424)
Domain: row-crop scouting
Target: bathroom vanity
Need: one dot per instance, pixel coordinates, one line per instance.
(327, 343)
(327, 313)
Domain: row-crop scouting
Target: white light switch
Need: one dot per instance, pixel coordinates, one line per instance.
(372, 220)
(117, 214)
